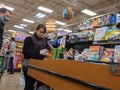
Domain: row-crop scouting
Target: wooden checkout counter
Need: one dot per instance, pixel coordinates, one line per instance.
(71, 75)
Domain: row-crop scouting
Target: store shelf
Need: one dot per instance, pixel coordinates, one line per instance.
(19, 41)
(79, 30)
(18, 56)
(82, 42)
(107, 42)
(100, 42)
(99, 62)
(97, 27)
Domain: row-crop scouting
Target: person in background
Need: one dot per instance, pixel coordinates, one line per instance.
(5, 15)
(35, 47)
(11, 52)
(6, 56)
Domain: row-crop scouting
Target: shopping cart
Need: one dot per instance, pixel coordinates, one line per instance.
(1, 66)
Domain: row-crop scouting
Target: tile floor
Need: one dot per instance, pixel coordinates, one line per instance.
(11, 82)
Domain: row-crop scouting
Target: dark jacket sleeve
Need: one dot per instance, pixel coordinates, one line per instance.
(48, 47)
(28, 50)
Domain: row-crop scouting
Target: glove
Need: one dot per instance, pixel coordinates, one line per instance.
(44, 52)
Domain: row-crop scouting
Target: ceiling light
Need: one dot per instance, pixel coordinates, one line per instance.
(23, 25)
(9, 8)
(59, 29)
(40, 15)
(11, 30)
(67, 30)
(60, 23)
(18, 26)
(30, 21)
(45, 9)
(88, 12)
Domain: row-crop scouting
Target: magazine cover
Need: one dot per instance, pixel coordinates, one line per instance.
(118, 34)
(95, 53)
(112, 33)
(90, 24)
(87, 35)
(101, 21)
(100, 33)
(113, 19)
(85, 54)
(106, 19)
(82, 25)
(108, 55)
(117, 54)
(118, 17)
(95, 23)
(87, 24)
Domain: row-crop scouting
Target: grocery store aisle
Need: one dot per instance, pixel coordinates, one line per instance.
(10, 82)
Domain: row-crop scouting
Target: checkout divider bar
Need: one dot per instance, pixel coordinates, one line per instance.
(91, 85)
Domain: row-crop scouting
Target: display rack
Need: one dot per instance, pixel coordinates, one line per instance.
(106, 34)
(18, 56)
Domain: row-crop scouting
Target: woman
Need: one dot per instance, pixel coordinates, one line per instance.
(36, 47)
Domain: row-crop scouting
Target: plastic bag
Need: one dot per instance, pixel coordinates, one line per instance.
(22, 79)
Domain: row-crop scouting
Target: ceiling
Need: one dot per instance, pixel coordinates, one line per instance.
(28, 9)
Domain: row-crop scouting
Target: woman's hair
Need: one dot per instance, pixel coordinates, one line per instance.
(12, 38)
(41, 26)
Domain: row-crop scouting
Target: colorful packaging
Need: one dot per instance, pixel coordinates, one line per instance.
(95, 23)
(112, 33)
(108, 55)
(95, 53)
(100, 33)
(118, 18)
(87, 25)
(85, 54)
(101, 21)
(82, 25)
(117, 54)
(113, 19)
(106, 19)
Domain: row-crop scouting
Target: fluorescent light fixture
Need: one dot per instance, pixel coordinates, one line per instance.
(40, 15)
(18, 26)
(30, 21)
(60, 23)
(59, 29)
(11, 30)
(45, 9)
(89, 12)
(31, 32)
(23, 25)
(9, 8)
(67, 30)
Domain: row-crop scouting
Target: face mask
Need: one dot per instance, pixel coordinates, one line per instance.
(4, 19)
